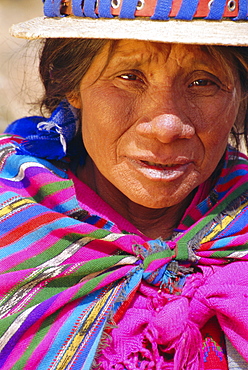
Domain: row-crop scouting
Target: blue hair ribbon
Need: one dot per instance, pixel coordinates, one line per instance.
(47, 137)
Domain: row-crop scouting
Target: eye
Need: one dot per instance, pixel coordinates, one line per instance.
(202, 83)
(205, 85)
(129, 76)
(132, 76)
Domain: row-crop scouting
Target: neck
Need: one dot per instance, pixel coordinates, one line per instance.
(153, 223)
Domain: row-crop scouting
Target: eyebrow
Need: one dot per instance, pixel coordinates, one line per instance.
(133, 59)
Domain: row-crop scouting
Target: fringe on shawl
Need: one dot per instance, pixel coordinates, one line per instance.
(184, 353)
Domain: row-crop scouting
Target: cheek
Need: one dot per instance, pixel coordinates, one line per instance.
(108, 118)
(103, 126)
(217, 116)
(213, 120)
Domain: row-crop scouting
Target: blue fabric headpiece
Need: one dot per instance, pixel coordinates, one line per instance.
(48, 138)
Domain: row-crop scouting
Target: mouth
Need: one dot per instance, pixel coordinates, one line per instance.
(162, 171)
(160, 166)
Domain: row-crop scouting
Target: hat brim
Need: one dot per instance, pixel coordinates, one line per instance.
(198, 31)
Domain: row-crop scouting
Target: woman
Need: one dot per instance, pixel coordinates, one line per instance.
(124, 213)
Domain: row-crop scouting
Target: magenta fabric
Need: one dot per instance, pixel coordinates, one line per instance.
(171, 325)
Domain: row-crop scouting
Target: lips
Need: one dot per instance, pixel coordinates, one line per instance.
(158, 171)
(160, 166)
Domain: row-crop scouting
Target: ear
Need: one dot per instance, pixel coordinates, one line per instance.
(74, 99)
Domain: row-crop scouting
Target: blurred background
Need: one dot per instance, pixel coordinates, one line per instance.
(19, 79)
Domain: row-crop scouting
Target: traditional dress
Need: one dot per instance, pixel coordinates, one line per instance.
(82, 288)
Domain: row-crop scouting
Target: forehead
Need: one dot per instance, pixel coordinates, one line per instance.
(160, 58)
(145, 52)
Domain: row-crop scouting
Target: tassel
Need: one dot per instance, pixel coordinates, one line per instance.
(188, 355)
(51, 136)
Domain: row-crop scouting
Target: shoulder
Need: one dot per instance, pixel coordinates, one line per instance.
(13, 159)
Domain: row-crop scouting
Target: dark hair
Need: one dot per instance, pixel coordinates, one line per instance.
(236, 58)
(64, 62)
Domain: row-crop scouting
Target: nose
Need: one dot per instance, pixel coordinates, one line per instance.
(165, 128)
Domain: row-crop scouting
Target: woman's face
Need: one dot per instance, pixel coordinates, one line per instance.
(156, 118)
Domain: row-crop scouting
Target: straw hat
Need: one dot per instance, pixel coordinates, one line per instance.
(215, 22)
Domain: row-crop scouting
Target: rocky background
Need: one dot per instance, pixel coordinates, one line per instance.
(19, 80)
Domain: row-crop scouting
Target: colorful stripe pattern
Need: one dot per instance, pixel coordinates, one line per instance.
(156, 9)
(65, 281)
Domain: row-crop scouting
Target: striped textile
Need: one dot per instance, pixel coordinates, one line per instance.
(67, 276)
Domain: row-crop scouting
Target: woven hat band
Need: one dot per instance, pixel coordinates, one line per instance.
(155, 9)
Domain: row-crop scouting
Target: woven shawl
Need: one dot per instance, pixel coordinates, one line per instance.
(68, 277)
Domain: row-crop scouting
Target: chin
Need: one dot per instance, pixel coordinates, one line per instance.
(154, 202)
